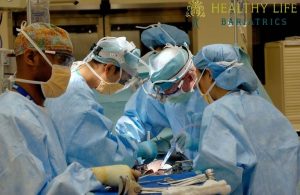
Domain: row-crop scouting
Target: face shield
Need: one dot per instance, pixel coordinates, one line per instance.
(172, 85)
(121, 53)
(163, 88)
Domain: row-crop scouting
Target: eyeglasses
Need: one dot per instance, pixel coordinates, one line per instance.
(125, 77)
(61, 58)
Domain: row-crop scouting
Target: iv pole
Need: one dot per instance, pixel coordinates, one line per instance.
(28, 12)
(238, 5)
(235, 23)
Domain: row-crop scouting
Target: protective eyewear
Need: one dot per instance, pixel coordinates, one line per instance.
(124, 56)
(176, 81)
(163, 95)
(124, 77)
(61, 58)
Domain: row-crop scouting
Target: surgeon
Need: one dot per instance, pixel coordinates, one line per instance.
(243, 137)
(32, 160)
(146, 110)
(85, 132)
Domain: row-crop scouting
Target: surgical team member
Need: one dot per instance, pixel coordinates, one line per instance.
(156, 36)
(86, 133)
(145, 113)
(243, 137)
(32, 160)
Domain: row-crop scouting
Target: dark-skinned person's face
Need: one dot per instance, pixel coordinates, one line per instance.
(46, 54)
(57, 65)
(43, 68)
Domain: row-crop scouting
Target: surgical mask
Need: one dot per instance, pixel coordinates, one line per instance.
(105, 87)
(179, 97)
(206, 96)
(58, 82)
(55, 86)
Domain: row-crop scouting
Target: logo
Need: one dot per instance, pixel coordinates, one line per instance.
(195, 9)
(237, 11)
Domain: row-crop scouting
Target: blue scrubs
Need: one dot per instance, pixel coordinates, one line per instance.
(250, 144)
(32, 160)
(85, 132)
(144, 113)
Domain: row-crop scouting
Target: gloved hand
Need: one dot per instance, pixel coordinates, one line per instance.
(179, 142)
(110, 175)
(184, 141)
(147, 150)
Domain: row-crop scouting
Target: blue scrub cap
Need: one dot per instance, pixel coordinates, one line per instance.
(161, 34)
(117, 51)
(169, 65)
(229, 66)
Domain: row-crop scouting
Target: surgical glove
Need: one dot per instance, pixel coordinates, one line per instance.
(147, 150)
(111, 175)
(184, 141)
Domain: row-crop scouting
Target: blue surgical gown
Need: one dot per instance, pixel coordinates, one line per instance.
(85, 132)
(250, 144)
(31, 158)
(144, 113)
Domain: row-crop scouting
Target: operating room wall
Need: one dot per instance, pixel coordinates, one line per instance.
(210, 30)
